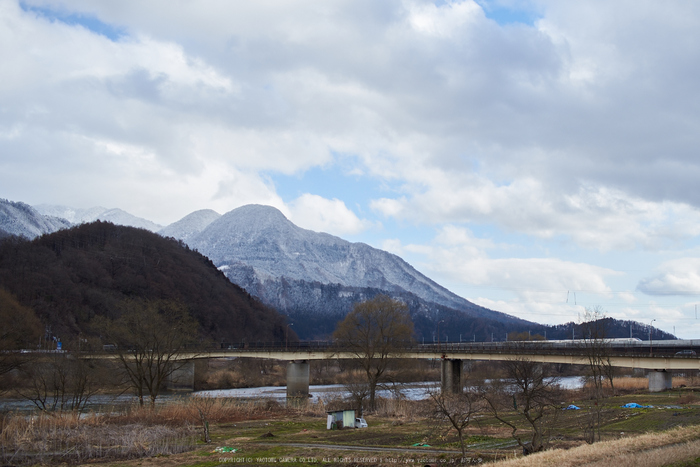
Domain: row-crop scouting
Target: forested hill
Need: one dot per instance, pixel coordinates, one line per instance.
(70, 276)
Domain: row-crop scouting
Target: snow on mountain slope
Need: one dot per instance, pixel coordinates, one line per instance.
(22, 220)
(73, 215)
(119, 217)
(190, 225)
(115, 216)
(261, 239)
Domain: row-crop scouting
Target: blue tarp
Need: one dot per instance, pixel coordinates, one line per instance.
(634, 405)
(572, 407)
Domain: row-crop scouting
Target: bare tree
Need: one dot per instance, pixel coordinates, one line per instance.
(375, 331)
(149, 339)
(60, 382)
(456, 410)
(599, 366)
(205, 407)
(359, 392)
(530, 392)
(597, 349)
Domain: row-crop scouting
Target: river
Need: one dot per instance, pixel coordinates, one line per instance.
(108, 403)
(411, 391)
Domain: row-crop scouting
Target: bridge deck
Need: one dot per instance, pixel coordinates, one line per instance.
(660, 355)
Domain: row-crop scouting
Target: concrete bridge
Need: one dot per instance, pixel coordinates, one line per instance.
(658, 357)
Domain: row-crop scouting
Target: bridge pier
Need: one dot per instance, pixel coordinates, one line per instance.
(182, 377)
(660, 380)
(297, 382)
(451, 376)
(187, 376)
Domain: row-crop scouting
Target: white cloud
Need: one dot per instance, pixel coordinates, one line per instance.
(314, 212)
(675, 277)
(538, 312)
(537, 128)
(457, 257)
(627, 297)
(595, 217)
(443, 21)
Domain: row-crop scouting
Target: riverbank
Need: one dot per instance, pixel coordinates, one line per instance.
(267, 432)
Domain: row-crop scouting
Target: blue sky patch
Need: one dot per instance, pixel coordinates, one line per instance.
(90, 22)
(332, 181)
(509, 12)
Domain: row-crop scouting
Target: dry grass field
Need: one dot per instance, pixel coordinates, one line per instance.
(400, 432)
(675, 446)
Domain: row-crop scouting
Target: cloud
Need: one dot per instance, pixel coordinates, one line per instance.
(442, 21)
(675, 277)
(314, 212)
(457, 256)
(595, 217)
(589, 106)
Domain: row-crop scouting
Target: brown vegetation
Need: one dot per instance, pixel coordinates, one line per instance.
(69, 438)
(134, 432)
(628, 384)
(399, 423)
(244, 373)
(652, 449)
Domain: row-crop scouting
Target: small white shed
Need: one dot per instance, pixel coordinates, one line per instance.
(338, 419)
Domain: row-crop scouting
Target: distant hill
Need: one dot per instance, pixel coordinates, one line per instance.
(98, 213)
(313, 278)
(190, 225)
(22, 220)
(70, 276)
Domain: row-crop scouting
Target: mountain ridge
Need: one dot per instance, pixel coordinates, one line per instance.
(258, 248)
(190, 225)
(286, 267)
(22, 220)
(98, 213)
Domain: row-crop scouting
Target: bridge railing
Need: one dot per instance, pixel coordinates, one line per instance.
(575, 347)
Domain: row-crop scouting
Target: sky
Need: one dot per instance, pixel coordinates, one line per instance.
(536, 157)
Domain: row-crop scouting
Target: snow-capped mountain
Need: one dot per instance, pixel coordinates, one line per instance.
(24, 221)
(190, 225)
(257, 247)
(315, 278)
(72, 215)
(115, 216)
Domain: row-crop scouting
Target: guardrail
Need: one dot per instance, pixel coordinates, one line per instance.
(679, 349)
(676, 349)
